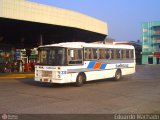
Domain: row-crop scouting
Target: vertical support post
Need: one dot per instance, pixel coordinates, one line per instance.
(41, 39)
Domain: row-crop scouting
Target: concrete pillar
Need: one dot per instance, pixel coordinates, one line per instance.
(41, 39)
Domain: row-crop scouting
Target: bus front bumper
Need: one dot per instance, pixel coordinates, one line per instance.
(49, 80)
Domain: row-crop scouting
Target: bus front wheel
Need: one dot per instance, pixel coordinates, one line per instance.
(118, 75)
(80, 79)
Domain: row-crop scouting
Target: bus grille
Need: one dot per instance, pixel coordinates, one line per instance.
(46, 73)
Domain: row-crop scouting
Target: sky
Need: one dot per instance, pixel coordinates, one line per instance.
(124, 17)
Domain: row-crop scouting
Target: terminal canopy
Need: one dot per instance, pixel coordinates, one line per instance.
(28, 24)
(24, 34)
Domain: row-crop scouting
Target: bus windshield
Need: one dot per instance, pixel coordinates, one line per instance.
(52, 56)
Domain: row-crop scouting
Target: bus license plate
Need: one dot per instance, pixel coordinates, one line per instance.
(45, 80)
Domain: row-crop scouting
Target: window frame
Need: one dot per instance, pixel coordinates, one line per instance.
(107, 52)
(75, 60)
(91, 54)
(130, 56)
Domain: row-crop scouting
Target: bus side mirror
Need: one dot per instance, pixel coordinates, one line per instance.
(72, 53)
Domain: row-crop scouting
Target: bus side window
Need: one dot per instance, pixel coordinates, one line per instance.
(131, 54)
(94, 53)
(111, 51)
(102, 54)
(123, 52)
(80, 54)
(77, 56)
(118, 53)
(69, 55)
(113, 54)
(108, 53)
(127, 54)
(87, 53)
(91, 53)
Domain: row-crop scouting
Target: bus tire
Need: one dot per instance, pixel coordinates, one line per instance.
(118, 75)
(81, 78)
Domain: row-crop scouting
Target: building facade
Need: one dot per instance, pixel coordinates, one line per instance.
(151, 43)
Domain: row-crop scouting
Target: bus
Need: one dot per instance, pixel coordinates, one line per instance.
(78, 62)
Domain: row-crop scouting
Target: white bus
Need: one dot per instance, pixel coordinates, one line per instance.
(78, 62)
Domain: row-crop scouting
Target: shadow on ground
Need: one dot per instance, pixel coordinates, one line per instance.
(30, 81)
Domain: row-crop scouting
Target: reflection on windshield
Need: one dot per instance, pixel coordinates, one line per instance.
(52, 56)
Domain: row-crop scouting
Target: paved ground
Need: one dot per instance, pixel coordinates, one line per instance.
(138, 93)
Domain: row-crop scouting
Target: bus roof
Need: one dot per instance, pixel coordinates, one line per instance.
(83, 44)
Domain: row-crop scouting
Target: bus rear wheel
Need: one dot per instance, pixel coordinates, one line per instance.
(118, 75)
(80, 80)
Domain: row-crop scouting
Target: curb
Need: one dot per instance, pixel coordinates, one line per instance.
(9, 76)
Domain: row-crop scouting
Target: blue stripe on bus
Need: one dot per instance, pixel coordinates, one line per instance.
(91, 64)
(103, 66)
